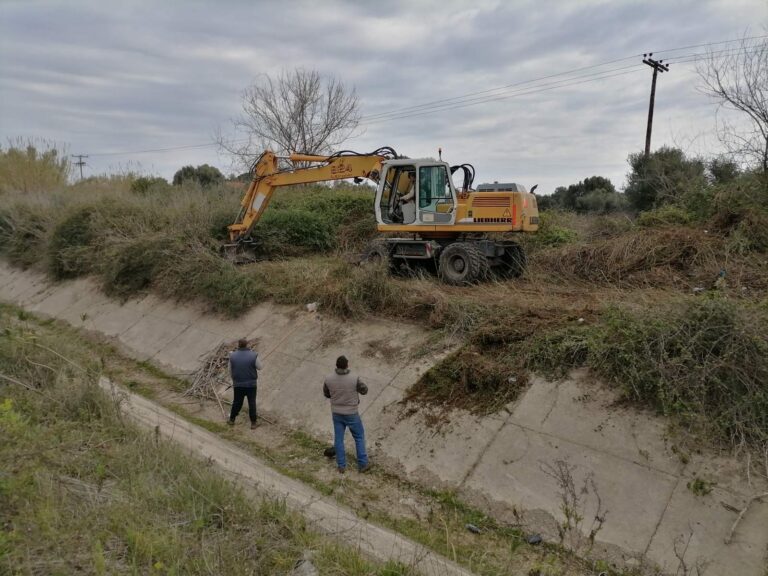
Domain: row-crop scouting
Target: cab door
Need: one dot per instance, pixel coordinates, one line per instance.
(436, 196)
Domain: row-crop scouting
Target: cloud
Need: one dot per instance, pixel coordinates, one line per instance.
(138, 75)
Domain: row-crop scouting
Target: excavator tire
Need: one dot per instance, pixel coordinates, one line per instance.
(513, 262)
(378, 251)
(463, 263)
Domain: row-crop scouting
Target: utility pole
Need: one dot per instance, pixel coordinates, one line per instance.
(657, 67)
(80, 162)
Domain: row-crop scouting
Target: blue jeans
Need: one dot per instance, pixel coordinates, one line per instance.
(340, 424)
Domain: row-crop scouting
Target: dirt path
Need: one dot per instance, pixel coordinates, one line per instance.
(322, 513)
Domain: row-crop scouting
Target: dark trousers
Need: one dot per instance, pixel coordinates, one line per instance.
(237, 403)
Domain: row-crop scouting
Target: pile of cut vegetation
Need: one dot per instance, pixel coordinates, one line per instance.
(658, 257)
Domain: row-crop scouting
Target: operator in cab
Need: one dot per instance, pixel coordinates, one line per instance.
(408, 200)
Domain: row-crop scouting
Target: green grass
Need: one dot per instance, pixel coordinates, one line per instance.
(83, 491)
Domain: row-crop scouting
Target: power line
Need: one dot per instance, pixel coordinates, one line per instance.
(533, 89)
(536, 90)
(502, 92)
(487, 91)
(187, 147)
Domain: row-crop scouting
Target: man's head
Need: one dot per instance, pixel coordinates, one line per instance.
(342, 363)
(242, 343)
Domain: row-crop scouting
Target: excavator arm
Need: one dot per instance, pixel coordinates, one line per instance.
(267, 177)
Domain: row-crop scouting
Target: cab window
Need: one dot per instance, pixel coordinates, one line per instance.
(434, 187)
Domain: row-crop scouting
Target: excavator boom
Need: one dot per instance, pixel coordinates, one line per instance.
(267, 176)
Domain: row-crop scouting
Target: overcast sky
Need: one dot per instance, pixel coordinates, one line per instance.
(118, 78)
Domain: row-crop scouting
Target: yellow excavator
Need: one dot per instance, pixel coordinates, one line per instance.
(416, 199)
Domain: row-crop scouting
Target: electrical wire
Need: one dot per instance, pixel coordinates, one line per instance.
(522, 88)
(500, 88)
(685, 58)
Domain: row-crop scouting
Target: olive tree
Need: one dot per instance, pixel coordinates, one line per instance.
(296, 111)
(738, 80)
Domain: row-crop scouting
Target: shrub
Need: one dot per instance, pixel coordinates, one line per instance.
(147, 184)
(705, 363)
(23, 232)
(662, 178)
(131, 265)
(293, 231)
(204, 175)
(25, 167)
(71, 247)
(750, 234)
(552, 232)
(601, 202)
(669, 215)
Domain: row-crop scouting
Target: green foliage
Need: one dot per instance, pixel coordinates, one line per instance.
(593, 194)
(130, 266)
(71, 248)
(704, 363)
(552, 231)
(204, 175)
(722, 170)
(315, 219)
(23, 231)
(699, 487)
(24, 167)
(147, 184)
(288, 231)
(601, 202)
(662, 178)
(668, 215)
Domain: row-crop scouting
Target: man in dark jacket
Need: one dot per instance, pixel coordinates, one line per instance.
(343, 387)
(243, 366)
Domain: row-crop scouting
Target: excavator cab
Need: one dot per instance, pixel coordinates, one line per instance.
(434, 199)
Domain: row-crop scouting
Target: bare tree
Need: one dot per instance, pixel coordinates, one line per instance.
(738, 79)
(298, 111)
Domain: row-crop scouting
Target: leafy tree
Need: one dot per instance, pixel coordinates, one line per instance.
(204, 175)
(593, 194)
(722, 170)
(601, 201)
(664, 177)
(144, 184)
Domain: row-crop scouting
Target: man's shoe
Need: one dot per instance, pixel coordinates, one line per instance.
(231, 422)
(341, 470)
(254, 425)
(364, 469)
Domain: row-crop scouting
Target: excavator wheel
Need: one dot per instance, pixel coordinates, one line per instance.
(463, 263)
(378, 251)
(512, 263)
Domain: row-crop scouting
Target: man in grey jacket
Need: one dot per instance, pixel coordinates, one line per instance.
(343, 387)
(243, 366)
